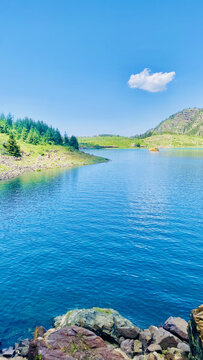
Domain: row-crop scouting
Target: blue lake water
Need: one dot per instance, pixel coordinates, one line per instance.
(126, 234)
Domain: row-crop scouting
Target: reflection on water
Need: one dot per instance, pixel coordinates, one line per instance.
(34, 179)
(184, 152)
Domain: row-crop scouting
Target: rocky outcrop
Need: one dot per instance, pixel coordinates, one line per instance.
(104, 334)
(107, 323)
(195, 332)
(69, 343)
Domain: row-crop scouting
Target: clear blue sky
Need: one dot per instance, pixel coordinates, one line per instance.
(68, 62)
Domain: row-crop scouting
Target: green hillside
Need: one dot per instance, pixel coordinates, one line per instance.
(110, 141)
(156, 140)
(183, 129)
(187, 121)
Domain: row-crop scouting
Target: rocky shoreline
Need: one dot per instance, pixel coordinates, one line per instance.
(11, 167)
(104, 334)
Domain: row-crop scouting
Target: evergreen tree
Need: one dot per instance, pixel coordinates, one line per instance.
(35, 137)
(34, 132)
(4, 128)
(24, 134)
(12, 147)
(9, 119)
(57, 137)
(66, 140)
(30, 136)
(74, 142)
(48, 136)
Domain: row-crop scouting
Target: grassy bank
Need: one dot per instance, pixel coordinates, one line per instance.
(121, 142)
(41, 157)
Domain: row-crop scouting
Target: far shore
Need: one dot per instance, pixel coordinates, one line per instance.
(159, 140)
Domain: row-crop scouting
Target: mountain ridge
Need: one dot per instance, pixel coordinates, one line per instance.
(188, 122)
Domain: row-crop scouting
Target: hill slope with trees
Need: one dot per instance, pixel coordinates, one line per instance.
(34, 132)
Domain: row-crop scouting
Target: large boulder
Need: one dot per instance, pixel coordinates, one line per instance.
(70, 343)
(163, 338)
(177, 326)
(23, 347)
(106, 323)
(128, 332)
(195, 332)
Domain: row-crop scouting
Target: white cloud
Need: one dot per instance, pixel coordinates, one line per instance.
(151, 82)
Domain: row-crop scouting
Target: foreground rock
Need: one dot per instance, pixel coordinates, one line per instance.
(195, 331)
(69, 343)
(163, 338)
(107, 323)
(76, 336)
(177, 326)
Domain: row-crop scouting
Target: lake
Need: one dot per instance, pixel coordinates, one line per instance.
(125, 234)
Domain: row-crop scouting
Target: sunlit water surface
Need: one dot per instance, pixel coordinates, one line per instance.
(126, 234)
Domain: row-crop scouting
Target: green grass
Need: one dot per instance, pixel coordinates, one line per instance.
(162, 140)
(104, 311)
(121, 142)
(173, 141)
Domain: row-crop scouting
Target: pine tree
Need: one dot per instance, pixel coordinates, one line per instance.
(66, 140)
(24, 134)
(35, 137)
(57, 137)
(74, 142)
(12, 147)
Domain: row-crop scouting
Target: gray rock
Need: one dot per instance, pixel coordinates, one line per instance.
(145, 337)
(163, 338)
(127, 346)
(177, 326)
(121, 339)
(184, 347)
(23, 347)
(103, 322)
(128, 332)
(8, 352)
(154, 347)
(139, 357)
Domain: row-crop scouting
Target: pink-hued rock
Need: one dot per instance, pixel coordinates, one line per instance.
(71, 343)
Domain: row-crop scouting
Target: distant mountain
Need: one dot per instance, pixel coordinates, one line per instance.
(187, 121)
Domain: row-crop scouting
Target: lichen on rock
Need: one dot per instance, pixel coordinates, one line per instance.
(104, 322)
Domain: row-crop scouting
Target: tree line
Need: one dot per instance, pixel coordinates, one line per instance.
(35, 132)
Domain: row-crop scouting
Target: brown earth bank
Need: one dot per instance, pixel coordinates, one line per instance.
(104, 334)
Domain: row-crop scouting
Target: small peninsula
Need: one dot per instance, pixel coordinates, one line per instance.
(26, 146)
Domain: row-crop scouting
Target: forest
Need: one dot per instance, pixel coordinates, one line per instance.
(34, 132)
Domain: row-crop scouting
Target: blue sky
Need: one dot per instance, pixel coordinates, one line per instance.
(68, 62)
